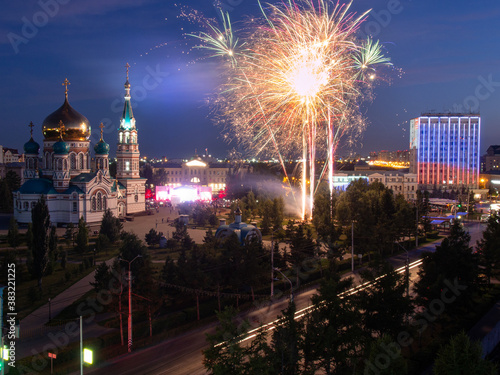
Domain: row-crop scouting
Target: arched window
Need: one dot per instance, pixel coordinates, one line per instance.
(94, 207)
(99, 201)
(80, 161)
(104, 203)
(72, 160)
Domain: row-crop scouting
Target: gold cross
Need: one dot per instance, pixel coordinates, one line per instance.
(62, 128)
(66, 83)
(31, 130)
(102, 127)
(127, 66)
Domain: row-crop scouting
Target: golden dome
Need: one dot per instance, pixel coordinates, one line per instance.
(76, 125)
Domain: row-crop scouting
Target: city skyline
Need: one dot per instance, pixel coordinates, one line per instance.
(444, 50)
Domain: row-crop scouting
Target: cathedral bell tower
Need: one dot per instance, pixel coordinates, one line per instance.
(127, 153)
(127, 158)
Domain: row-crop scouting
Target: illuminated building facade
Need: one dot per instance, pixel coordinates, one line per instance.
(445, 150)
(196, 172)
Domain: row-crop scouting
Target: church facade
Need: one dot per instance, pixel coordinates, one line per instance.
(64, 177)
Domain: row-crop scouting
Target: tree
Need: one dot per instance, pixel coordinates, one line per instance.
(13, 237)
(286, 343)
(461, 356)
(323, 214)
(102, 277)
(395, 365)
(53, 244)
(488, 248)
(384, 300)
(334, 334)
(110, 226)
(278, 212)
(228, 358)
(82, 237)
(152, 238)
(452, 262)
(40, 219)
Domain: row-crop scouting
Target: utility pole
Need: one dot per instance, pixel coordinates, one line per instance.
(130, 301)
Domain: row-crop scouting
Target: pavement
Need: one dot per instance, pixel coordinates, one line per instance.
(35, 336)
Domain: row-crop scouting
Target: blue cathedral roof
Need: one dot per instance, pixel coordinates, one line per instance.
(61, 148)
(101, 148)
(37, 186)
(31, 147)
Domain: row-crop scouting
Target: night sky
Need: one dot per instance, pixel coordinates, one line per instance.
(449, 51)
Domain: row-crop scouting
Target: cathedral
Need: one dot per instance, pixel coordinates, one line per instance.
(72, 186)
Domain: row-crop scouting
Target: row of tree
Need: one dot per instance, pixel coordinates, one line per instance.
(376, 330)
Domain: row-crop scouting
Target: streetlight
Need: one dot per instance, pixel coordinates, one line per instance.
(130, 300)
(287, 279)
(50, 315)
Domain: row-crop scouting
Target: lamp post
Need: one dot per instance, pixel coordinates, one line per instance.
(287, 279)
(50, 315)
(130, 301)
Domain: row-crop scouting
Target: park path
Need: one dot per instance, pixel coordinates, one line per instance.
(34, 334)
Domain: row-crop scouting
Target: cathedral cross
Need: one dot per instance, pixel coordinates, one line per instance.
(31, 128)
(66, 83)
(127, 66)
(102, 127)
(62, 128)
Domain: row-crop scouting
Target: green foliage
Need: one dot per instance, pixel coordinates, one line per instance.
(228, 358)
(384, 301)
(29, 237)
(488, 248)
(53, 244)
(102, 277)
(40, 219)
(287, 340)
(11, 182)
(110, 226)
(63, 260)
(462, 357)
(334, 334)
(384, 358)
(453, 261)
(153, 237)
(82, 237)
(13, 237)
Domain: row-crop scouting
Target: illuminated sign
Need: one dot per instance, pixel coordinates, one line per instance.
(87, 356)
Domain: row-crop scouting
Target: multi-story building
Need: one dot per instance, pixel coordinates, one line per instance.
(399, 182)
(445, 150)
(492, 159)
(195, 172)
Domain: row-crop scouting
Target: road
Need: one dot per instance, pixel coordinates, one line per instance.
(182, 355)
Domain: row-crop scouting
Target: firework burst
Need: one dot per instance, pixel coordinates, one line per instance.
(295, 84)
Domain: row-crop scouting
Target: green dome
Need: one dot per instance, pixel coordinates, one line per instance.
(101, 148)
(31, 147)
(61, 148)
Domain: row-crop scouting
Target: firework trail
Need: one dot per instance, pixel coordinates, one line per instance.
(295, 84)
